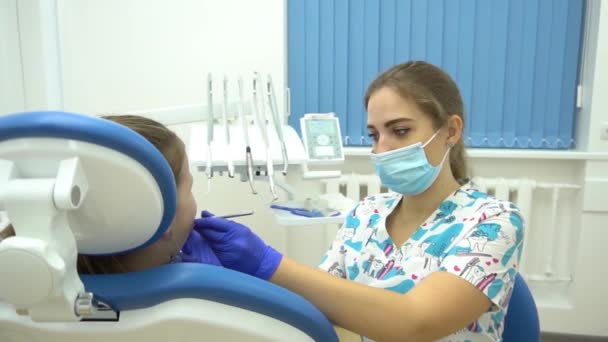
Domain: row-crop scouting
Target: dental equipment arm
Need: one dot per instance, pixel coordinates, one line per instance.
(227, 128)
(248, 158)
(209, 166)
(272, 103)
(261, 121)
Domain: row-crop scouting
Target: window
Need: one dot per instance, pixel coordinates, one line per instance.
(516, 62)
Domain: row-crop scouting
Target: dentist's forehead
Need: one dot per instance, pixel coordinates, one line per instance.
(390, 120)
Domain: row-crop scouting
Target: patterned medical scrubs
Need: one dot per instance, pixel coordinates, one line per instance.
(472, 235)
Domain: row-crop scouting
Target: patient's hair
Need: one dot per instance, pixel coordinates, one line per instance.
(7, 232)
(165, 140)
(172, 148)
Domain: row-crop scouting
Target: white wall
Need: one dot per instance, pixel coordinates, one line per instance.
(595, 79)
(136, 55)
(11, 80)
(122, 56)
(590, 296)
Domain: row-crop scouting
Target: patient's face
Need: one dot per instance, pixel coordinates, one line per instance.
(186, 207)
(161, 251)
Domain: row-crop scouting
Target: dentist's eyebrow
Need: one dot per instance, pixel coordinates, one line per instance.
(392, 122)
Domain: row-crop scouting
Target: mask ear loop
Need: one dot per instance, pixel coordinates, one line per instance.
(431, 139)
(447, 153)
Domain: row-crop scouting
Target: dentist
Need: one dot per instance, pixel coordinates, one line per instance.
(433, 260)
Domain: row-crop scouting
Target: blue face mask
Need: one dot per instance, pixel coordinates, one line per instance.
(406, 170)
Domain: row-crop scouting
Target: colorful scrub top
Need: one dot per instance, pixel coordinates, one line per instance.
(472, 235)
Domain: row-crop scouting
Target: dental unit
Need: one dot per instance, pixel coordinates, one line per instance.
(252, 132)
(268, 143)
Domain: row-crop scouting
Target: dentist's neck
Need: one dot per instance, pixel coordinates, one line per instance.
(424, 204)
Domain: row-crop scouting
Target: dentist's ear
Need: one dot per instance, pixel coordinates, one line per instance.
(454, 125)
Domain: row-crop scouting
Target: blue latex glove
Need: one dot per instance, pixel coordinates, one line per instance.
(197, 249)
(237, 247)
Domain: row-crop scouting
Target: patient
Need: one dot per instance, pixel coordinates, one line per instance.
(179, 243)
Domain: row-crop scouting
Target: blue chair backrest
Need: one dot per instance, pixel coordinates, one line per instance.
(136, 290)
(521, 321)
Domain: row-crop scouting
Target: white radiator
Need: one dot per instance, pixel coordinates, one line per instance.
(547, 208)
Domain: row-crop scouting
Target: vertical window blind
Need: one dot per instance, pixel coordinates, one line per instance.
(515, 61)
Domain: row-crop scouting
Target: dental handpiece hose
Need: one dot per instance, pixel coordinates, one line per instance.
(209, 165)
(244, 125)
(261, 119)
(272, 103)
(227, 127)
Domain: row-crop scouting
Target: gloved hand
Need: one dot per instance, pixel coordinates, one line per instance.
(197, 249)
(237, 247)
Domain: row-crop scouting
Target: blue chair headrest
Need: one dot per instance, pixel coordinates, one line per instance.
(105, 133)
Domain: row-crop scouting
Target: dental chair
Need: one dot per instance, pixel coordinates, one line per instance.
(521, 322)
(73, 184)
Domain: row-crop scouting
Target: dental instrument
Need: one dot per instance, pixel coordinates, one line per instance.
(209, 166)
(237, 215)
(244, 125)
(272, 103)
(227, 128)
(261, 121)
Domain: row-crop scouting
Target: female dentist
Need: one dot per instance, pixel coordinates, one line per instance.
(434, 260)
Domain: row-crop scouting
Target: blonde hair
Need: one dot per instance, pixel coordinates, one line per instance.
(165, 140)
(435, 93)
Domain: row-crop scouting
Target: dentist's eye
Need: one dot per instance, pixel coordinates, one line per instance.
(373, 136)
(401, 131)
